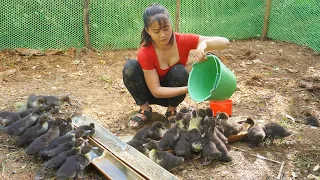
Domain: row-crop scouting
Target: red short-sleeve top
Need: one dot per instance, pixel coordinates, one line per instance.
(148, 59)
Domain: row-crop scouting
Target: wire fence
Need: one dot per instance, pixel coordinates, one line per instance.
(296, 21)
(117, 24)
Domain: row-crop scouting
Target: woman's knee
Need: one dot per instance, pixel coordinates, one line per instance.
(178, 75)
(130, 68)
(180, 69)
(175, 101)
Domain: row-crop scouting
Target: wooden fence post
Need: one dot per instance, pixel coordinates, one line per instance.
(266, 20)
(86, 24)
(177, 18)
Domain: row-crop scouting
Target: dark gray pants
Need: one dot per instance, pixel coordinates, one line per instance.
(134, 81)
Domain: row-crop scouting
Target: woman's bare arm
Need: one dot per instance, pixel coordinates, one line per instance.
(153, 83)
(210, 43)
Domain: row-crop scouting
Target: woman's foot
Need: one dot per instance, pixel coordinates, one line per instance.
(171, 115)
(138, 120)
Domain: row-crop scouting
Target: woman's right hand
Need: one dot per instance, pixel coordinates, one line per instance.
(200, 51)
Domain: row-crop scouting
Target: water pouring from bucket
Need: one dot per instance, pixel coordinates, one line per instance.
(211, 80)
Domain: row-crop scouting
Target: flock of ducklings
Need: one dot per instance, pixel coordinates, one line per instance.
(198, 134)
(195, 134)
(54, 139)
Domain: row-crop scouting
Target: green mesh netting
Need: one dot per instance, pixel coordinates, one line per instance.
(117, 24)
(41, 24)
(234, 19)
(296, 21)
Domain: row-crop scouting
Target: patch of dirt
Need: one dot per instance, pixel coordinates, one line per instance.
(269, 76)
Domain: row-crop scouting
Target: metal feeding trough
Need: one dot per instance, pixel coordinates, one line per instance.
(116, 159)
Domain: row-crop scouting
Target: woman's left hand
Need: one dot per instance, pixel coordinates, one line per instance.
(200, 52)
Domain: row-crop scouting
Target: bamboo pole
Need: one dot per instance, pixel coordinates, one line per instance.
(280, 171)
(177, 18)
(257, 156)
(266, 20)
(86, 24)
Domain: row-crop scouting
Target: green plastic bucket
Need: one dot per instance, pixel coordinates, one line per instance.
(211, 80)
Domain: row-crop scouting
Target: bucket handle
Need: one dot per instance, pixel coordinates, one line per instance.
(217, 75)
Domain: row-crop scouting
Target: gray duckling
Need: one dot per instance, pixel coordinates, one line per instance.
(33, 132)
(57, 161)
(195, 120)
(74, 165)
(311, 120)
(138, 145)
(255, 133)
(182, 147)
(185, 110)
(34, 101)
(150, 132)
(230, 127)
(69, 125)
(45, 139)
(89, 128)
(25, 112)
(31, 98)
(63, 128)
(56, 101)
(274, 130)
(163, 158)
(201, 113)
(52, 112)
(28, 111)
(8, 117)
(69, 137)
(170, 137)
(195, 139)
(48, 112)
(221, 136)
(20, 126)
(209, 116)
(212, 135)
(57, 150)
(218, 129)
(209, 150)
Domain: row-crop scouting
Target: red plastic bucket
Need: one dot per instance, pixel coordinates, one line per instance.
(221, 106)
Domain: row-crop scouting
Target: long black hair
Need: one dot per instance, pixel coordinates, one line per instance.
(161, 15)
